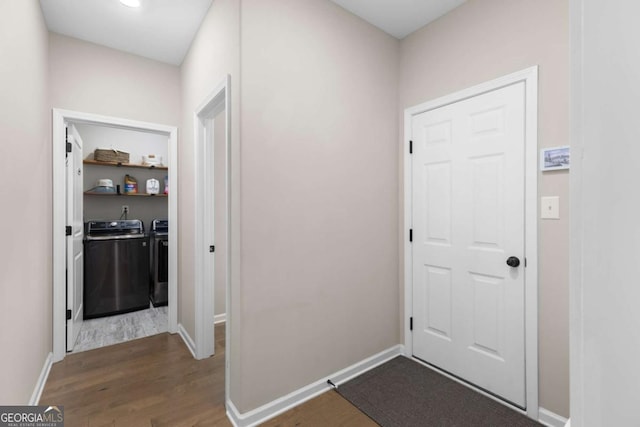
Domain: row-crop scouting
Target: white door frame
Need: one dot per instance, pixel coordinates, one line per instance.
(217, 101)
(530, 78)
(59, 221)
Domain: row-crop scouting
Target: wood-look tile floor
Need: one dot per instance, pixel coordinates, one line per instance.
(155, 381)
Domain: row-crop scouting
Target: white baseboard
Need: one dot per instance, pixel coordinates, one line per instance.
(191, 345)
(219, 318)
(550, 419)
(42, 380)
(295, 398)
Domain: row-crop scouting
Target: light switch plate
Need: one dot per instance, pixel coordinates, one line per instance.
(550, 207)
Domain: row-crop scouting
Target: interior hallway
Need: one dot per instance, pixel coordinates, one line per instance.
(303, 108)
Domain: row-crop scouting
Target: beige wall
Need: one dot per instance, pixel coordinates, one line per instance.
(96, 79)
(483, 40)
(213, 55)
(319, 195)
(25, 191)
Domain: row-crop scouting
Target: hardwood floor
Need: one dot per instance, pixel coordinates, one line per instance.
(155, 381)
(327, 410)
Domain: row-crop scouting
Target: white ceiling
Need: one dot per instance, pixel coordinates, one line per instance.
(399, 17)
(160, 29)
(164, 29)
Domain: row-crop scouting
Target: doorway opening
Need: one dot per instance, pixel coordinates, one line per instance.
(212, 138)
(69, 303)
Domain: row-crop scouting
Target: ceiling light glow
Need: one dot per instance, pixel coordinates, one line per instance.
(131, 3)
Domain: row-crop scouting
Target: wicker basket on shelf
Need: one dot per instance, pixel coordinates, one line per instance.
(111, 155)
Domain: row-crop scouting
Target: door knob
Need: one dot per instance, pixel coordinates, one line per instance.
(513, 261)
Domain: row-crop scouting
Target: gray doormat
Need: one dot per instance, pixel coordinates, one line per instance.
(404, 393)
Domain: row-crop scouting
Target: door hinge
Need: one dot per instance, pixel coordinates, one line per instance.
(411, 234)
(411, 323)
(212, 248)
(68, 314)
(410, 147)
(67, 143)
(67, 230)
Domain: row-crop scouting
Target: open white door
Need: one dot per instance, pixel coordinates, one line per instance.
(75, 232)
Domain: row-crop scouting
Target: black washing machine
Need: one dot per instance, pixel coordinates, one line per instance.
(159, 262)
(116, 268)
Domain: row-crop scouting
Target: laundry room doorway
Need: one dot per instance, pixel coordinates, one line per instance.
(101, 214)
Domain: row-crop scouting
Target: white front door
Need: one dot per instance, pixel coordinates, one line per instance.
(468, 220)
(75, 250)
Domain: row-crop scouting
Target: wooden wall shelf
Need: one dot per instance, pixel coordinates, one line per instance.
(124, 165)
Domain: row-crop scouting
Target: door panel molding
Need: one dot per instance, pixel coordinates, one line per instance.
(529, 77)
